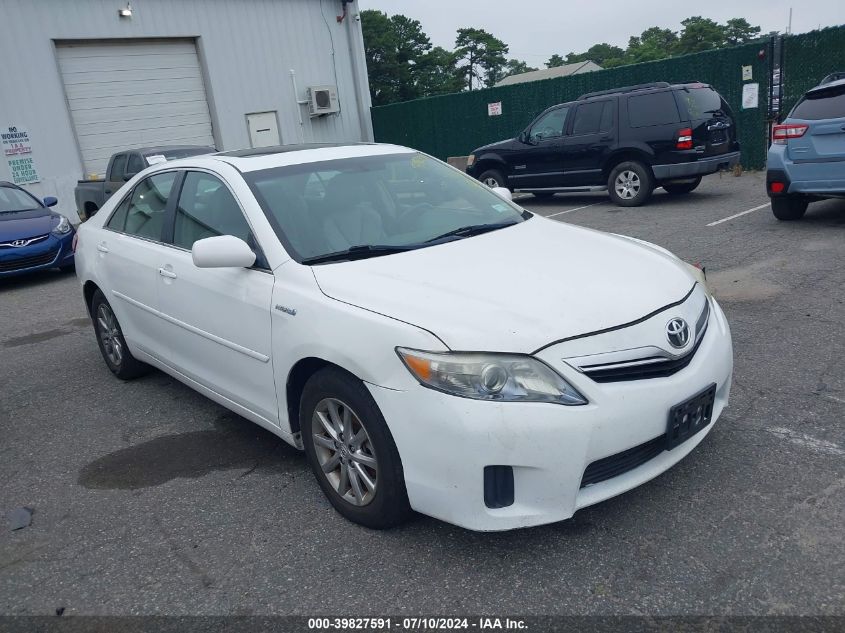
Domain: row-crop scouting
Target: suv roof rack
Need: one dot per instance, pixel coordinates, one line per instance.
(655, 84)
(832, 77)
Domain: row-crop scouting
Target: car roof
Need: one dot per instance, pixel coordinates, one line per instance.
(280, 156)
(163, 149)
(825, 87)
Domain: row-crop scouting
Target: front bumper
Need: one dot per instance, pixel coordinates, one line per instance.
(49, 253)
(700, 167)
(445, 442)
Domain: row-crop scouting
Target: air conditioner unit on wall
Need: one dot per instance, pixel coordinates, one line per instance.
(323, 100)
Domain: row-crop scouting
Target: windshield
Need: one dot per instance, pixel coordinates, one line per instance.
(395, 202)
(12, 199)
(702, 102)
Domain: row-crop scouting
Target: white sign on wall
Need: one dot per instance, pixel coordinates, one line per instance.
(746, 73)
(750, 96)
(494, 109)
(17, 148)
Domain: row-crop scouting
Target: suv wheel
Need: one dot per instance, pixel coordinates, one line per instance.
(112, 343)
(493, 178)
(630, 184)
(677, 187)
(789, 208)
(351, 451)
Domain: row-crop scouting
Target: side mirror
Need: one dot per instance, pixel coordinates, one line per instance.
(50, 201)
(223, 251)
(503, 192)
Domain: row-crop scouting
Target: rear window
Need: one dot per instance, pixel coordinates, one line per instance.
(702, 102)
(657, 108)
(823, 104)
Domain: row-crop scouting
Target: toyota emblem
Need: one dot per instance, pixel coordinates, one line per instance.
(677, 331)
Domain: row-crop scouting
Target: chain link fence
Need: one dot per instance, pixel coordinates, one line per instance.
(454, 125)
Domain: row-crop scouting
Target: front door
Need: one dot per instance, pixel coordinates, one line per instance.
(217, 320)
(539, 163)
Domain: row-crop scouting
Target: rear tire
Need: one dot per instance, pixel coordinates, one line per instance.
(111, 341)
(630, 184)
(789, 208)
(678, 187)
(351, 451)
(493, 178)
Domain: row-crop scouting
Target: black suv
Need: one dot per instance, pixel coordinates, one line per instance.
(629, 140)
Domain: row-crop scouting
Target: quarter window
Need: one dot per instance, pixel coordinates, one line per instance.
(657, 108)
(145, 216)
(206, 209)
(118, 219)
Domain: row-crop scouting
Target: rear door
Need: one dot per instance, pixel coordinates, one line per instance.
(588, 142)
(128, 252)
(539, 163)
(710, 118)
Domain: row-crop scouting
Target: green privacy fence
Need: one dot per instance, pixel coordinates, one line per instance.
(454, 125)
(808, 58)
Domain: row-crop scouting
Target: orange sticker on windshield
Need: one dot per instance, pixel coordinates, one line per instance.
(418, 161)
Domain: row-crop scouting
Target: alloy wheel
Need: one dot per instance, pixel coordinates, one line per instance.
(109, 332)
(491, 182)
(344, 451)
(627, 184)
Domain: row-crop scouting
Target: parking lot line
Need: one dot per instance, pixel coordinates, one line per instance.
(736, 215)
(571, 210)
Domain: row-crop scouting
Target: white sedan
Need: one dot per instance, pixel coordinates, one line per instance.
(427, 342)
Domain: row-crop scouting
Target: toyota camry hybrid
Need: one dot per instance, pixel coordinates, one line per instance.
(429, 344)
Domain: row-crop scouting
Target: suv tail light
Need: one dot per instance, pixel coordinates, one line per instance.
(782, 133)
(684, 138)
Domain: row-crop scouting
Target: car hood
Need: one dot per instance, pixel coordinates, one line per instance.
(24, 224)
(492, 147)
(516, 289)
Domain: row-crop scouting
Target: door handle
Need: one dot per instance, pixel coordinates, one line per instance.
(167, 273)
(102, 247)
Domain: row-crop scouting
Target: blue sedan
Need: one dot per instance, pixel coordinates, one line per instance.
(32, 237)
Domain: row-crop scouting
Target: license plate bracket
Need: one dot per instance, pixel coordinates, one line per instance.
(690, 416)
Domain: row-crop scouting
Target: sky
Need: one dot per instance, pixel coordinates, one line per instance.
(536, 29)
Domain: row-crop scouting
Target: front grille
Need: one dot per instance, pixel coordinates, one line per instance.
(621, 463)
(652, 366)
(27, 241)
(8, 265)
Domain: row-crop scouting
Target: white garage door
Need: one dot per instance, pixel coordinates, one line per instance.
(133, 94)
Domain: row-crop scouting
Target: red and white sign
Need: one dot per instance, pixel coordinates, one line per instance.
(494, 109)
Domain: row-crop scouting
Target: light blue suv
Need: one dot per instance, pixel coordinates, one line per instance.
(807, 156)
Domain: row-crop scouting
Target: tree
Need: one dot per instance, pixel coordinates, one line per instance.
(438, 74)
(516, 67)
(739, 31)
(652, 44)
(700, 34)
(483, 54)
(555, 61)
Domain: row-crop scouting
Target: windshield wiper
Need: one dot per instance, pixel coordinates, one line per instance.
(363, 251)
(472, 229)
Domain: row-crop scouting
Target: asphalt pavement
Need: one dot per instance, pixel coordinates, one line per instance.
(148, 498)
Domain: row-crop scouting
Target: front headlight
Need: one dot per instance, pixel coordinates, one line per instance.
(62, 228)
(482, 376)
(470, 160)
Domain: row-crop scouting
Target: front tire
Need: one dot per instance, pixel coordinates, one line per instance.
(351, 451)
(493, 178)
(789, 208)
(630, 184)
(111, 341)
(680, 187)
